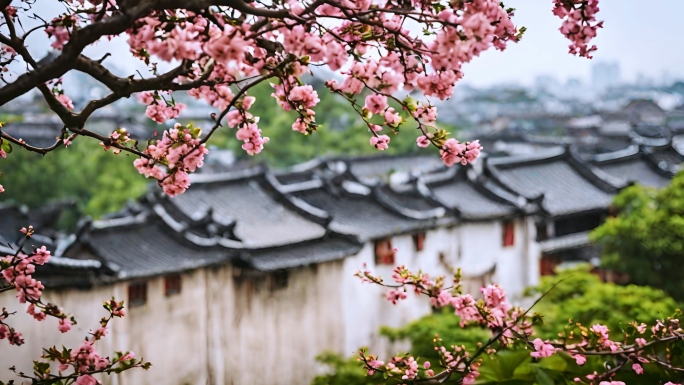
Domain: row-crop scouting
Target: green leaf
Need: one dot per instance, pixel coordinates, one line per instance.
(6, 146)
(543, 378)
(555, 362)
(502, 367)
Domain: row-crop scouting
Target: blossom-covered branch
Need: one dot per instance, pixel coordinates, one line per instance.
(218, 49)
(75, 366)
(639, 345)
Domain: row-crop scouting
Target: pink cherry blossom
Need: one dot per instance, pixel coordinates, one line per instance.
(542, 349)
(381, 142)
(86, 380)
(579, 24)
(392, 118)
(66, 102)
(423, 141)
(395, 296)
(454, 152)
(376, 103)
(64, 325)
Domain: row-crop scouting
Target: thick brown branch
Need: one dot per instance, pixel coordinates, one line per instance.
(115, 25)
(124, 87)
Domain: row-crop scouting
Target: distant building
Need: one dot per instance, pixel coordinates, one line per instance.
(605, 75)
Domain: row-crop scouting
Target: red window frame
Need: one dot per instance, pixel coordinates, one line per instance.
(419, 241)
(172, 285)
(137, 294)
(508, 236)
(384, 252)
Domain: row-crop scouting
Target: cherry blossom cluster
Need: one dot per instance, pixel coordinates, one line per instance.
(300, 98)
(455, 359)
(119, 136)
(220, 51)
(171, 159)
(247, 130)
(17, 271)
(405, 367)
(453, 151)
(237, 51)
(513, 326)
(81, 364)
(59, 94)
(579, 24)
(159, 109)
(60, 30)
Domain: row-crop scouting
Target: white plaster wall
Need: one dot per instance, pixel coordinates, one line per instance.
(271, 336)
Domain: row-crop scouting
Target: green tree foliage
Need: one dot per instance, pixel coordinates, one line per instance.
(646, 238)
(100, 182)
(582, 297)
(573, 294)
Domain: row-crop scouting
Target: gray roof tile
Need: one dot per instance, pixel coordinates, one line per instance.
(147, 249)
(261, 221)
(358, 214)
(565, 190)
(319, 251)
(462, 195)
(635, 170)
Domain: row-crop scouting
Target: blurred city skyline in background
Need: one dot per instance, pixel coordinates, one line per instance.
(638, 38)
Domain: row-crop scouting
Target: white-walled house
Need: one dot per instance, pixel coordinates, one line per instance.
(248, 276)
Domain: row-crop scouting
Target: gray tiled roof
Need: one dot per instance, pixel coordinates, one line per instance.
(635, 170)
(146, 248)
(358, 214)
(261, 221)
(462, 195)
(380, 167)
(566, 242)
(666, 158)
(307, 253)
(410, 199)
(565, 189)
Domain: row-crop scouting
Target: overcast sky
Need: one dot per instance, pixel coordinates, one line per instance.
(643, 36)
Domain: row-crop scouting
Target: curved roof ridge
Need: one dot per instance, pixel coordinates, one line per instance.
(390, 204)
(228, 176)
(545, 155)
(628, 152)
(594, 175)
(494, 192)
(283, 194)
(105, 224)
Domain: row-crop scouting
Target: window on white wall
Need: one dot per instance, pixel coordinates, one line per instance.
(172, 285)
(137, 294)
(419, 241)
(508, 234)
(384, 252)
